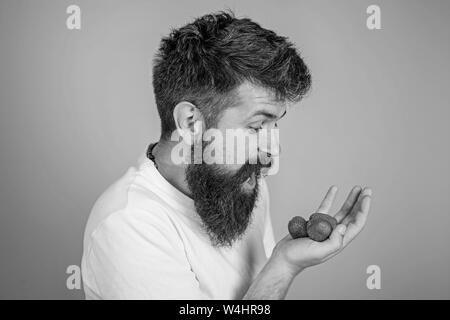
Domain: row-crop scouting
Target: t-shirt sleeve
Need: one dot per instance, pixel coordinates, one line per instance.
(268, 237)
(139, 255)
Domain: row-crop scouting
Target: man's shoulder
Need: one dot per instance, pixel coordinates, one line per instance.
(125, 202)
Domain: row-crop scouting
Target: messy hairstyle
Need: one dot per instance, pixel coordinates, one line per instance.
(205, 61)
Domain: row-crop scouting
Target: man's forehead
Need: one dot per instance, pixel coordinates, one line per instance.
(250, 99)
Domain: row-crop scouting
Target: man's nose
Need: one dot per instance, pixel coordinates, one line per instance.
(269, 143)
(269, 150)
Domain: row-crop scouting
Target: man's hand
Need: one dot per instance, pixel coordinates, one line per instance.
(294, 255)
(290, 256)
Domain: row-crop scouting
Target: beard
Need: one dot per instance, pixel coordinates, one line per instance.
(224, 207)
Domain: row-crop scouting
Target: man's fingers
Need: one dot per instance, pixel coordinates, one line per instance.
(357, 208)
(363, 212)
(359, 221)
(349, 203)
(327, 202)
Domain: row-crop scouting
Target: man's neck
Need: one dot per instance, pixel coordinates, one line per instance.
(173, 173)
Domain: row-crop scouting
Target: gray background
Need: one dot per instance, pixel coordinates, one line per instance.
(77, 109)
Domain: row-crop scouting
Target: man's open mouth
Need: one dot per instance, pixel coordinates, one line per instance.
(265, 168)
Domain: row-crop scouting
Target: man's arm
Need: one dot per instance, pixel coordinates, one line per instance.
(291, 256)
(272, 283)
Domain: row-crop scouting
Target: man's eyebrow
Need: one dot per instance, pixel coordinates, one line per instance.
(267, 114)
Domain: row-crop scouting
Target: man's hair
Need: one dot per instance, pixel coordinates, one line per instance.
(206, 60)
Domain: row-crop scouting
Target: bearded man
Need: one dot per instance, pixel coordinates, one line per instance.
(202, 229)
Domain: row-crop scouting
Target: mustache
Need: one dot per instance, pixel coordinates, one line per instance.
(248, 169)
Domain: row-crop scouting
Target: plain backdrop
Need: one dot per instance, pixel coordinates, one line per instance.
(77, 109)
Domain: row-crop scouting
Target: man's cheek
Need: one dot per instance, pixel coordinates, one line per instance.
(252, 152)
(240, 147)
(213, 147)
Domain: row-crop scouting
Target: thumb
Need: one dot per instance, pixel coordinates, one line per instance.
(336, 239)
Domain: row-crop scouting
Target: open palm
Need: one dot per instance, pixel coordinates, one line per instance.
(301, 253)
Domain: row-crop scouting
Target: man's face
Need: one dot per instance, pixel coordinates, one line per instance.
(225, 193)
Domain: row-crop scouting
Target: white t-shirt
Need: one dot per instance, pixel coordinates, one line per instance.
(144, 240)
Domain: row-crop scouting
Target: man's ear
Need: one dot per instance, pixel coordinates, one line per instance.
(188, 121)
